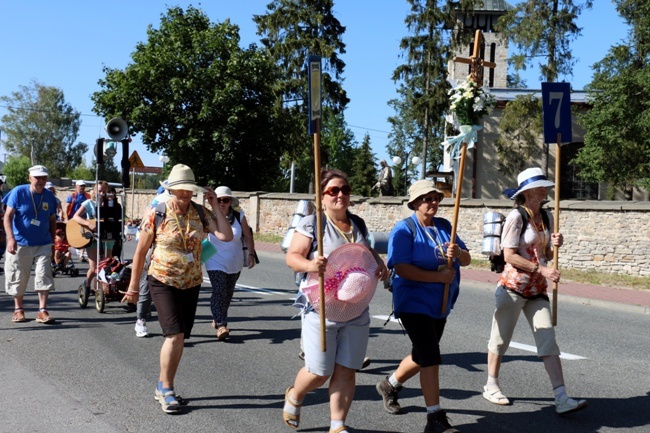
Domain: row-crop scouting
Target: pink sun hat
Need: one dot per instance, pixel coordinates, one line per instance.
(350, 283)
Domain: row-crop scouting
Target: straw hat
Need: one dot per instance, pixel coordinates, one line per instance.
(181, 177)
(350, 283)
(420, 188)
(224, 191)
(529, 179)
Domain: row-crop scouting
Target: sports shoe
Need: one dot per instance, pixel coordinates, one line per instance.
(19, 316)
(566, 404)
(141, 328)
(301, 355)
(437, 422)
(44, 317)
(389, 395)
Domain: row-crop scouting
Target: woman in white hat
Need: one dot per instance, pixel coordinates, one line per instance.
(418, 248)
(225, 266)
(346, 340)
(175, 275)
(522, 287)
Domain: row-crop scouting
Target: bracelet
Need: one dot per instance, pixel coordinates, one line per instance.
(536, 268)
(129, 292)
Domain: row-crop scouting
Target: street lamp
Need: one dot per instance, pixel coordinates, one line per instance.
(164, 159)
(416, 160)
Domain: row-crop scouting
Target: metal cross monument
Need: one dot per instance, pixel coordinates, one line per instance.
(475, 61)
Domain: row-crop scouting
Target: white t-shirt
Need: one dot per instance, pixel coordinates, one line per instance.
(229, 257)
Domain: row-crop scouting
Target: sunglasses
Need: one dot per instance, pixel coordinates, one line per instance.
(223, 200)
(335, 190)
(431, 198)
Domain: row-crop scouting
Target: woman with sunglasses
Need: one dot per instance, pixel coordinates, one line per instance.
(418, 248)
(225, 266)
(346, 341)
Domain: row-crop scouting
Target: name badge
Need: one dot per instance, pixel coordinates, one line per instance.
(36, 222)
(189, 257)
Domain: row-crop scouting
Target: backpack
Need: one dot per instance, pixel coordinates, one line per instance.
(72, 201)
(388, 283)
(243, 243)
(161, 212)
(355, 219)
(497, 261)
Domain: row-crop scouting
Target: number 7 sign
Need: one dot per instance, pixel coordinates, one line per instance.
(556, 112)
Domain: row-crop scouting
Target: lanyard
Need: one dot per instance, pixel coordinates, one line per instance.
(184, 236)
(542, 235)
(34, 203)
(438, 242)
(341, 232)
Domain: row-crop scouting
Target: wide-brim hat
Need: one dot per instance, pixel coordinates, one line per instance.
(182, 177)
(528, 179)
(38, 170)
(224, 191)
(420, 188)
(350, 282)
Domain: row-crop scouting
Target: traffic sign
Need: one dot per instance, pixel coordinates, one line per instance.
(135, 160)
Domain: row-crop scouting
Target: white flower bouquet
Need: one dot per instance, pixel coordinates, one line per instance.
(469, 102)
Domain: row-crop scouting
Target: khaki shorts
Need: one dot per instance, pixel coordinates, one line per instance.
(18, 268)
(346, 343)
(538, 313)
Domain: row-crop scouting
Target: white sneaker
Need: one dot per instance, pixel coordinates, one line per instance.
(568, 405)
(141, 328)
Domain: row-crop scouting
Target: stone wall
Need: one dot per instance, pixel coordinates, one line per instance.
(606, 236)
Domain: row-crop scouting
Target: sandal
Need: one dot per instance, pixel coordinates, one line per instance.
(290, 420)
(167, 399)
(19, 316)
(222, 333)
(495, 396)
(339, 430)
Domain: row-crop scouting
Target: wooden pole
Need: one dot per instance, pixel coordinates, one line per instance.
(454, 223)
(556, 221)
(319, 231)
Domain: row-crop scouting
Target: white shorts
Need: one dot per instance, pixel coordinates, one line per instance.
(346, 343)
(19, 266)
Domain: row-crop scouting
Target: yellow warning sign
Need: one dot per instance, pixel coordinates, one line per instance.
(135, 160)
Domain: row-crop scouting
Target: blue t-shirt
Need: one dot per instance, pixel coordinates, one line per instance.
(29, 207)
(76, 199)
(420, 250)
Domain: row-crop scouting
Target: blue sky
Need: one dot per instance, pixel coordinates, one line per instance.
(66, 43)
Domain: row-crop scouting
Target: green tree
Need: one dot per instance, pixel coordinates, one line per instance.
(195, 95)
(541, 31)
(404, 141)
(83, 172)
(363, 174)
(17, 170)
(41, 126)
(291, 30)
(337, 143)
(617, 143)
(427, 51)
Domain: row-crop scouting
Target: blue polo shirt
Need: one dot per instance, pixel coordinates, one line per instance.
(419, 249)
(31, 206)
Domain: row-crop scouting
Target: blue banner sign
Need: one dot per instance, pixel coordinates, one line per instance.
(556, 112)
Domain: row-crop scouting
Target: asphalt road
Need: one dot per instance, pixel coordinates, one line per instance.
(89, 373)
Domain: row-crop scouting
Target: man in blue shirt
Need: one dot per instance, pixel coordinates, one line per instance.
(30, 224)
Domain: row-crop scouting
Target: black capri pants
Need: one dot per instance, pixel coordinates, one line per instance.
(425, 333)
(176, 307)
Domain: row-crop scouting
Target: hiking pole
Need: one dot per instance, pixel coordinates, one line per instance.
(454, 223)
(556, 222)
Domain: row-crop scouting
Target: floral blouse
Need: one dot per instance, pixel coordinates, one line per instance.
(531, 245)
(176, 258)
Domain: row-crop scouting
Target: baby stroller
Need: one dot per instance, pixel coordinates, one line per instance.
(113, 278)
(69, 268)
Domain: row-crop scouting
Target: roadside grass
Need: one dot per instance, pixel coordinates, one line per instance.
(589, 277)
(574, 275)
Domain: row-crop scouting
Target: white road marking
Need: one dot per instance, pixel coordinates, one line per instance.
(384, 318)
(251, 289)
(529, 348)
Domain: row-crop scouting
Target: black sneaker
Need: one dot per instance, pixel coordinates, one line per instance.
(389, 396)
(437, 422)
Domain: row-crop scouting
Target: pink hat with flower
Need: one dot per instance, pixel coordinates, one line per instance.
(350, 283)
